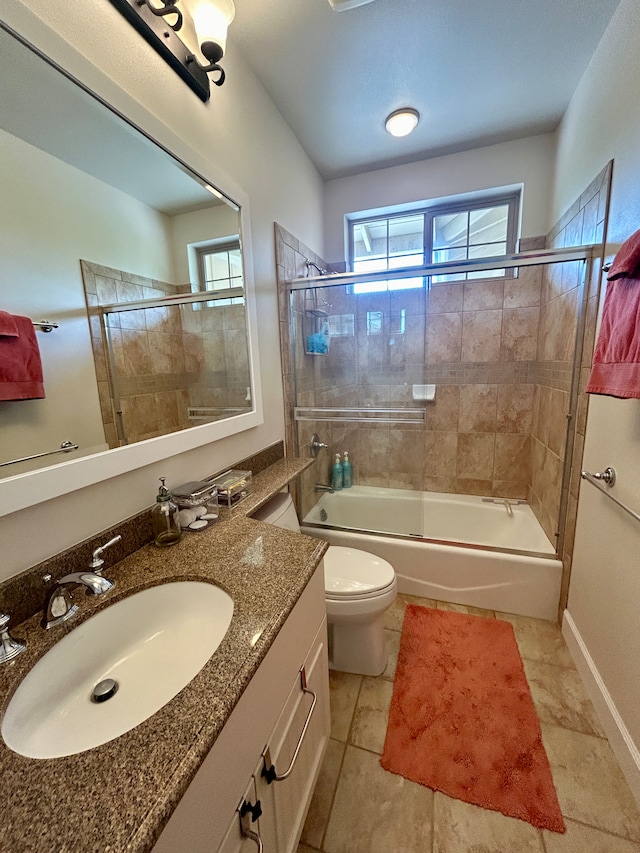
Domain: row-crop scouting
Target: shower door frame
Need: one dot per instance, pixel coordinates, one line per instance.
(538, 257)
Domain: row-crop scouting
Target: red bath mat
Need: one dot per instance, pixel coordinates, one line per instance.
(462, 720)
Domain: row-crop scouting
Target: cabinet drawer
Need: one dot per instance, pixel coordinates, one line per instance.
(202, 818)
(285, 801)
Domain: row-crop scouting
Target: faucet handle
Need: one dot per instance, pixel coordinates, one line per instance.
(96, 559)
(9, 647)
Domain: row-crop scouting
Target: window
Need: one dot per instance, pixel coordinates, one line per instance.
(220, 270)
(457, 231)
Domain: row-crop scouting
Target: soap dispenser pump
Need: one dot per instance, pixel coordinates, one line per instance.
(164, 518)
(347, 480)
(336, 480)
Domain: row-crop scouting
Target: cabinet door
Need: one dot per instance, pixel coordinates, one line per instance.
(235, 840)
(285, 800)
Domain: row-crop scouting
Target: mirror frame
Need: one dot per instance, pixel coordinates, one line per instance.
(21, 491)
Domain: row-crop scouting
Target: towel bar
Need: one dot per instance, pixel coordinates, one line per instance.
(65, 447)
(44, 326)
(608, 476)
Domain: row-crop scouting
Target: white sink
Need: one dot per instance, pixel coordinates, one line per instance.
(152, 644)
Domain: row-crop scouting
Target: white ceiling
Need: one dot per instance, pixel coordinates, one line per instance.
(477, 72)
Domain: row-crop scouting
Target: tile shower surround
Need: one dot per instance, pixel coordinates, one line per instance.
(475, 340)
(500, 352)
(163, 355)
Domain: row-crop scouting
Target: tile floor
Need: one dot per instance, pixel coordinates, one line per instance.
(360, 808)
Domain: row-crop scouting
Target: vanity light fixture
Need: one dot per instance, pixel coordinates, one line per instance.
(402, 122)
(159, 22)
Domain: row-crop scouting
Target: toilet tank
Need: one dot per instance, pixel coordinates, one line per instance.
(280, 512)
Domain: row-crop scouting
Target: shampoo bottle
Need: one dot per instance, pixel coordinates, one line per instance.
(164, 518)
(336, 480)
(346, 471)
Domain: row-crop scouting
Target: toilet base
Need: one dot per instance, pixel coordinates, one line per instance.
(358, 647)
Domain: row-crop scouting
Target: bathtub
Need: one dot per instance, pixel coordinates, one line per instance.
(456, 548)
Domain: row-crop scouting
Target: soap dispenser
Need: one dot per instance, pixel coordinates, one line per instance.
(336, 480)
(347, 480)
(164, 518)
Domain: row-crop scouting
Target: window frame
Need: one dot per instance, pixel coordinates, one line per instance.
(429, 212)
(227, 294)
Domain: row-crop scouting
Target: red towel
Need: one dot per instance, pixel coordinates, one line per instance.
(8, 325)
(616, 359)
(20, 365)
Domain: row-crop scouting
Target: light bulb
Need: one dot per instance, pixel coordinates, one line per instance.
(211, 20)
(402, 122)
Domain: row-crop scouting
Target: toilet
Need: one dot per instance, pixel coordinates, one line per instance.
(359, 589)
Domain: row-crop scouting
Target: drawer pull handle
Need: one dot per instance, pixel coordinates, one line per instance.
(249, 814)
(269, 771)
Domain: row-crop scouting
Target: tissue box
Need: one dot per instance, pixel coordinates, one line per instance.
(232, 486)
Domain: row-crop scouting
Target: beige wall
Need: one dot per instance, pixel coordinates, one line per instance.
(602, 123)
(238, 133)
(527, 162)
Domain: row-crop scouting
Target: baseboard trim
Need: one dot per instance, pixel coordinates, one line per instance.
(619, 737)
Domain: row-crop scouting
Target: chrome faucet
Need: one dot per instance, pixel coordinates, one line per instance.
(10, 648)
(320, 488)
(316, 445)
(60, 607)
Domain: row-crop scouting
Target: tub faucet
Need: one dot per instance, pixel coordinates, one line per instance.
(319, 487)
(316, 445)
(507, 503)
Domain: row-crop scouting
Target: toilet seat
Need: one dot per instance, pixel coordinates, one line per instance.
(354, 575)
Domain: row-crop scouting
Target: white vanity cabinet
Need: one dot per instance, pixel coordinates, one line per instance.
(270, 716)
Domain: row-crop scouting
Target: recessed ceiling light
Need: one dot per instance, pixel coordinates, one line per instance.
(402, 122)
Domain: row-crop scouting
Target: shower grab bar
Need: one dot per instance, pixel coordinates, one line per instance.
(608, 476)
(65, 447)
(360, 415)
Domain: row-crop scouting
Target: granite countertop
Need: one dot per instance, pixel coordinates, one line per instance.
(119, 796)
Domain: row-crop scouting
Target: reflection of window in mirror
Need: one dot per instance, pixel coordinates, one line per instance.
(219, 268)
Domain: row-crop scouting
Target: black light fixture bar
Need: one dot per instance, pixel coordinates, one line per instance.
(162, 38)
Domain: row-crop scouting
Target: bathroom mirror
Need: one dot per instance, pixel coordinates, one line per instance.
(107, 236)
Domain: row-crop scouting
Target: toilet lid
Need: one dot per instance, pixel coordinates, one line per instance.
(350, 571)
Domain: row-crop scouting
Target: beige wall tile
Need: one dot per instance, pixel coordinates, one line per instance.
(440, 454)
(515, 408)
(443, 412)
(481, 332)
(556, 417)
(478, 408)
(525, 290)
(483, 295)
(509, 489)
(520, 334)
(445, 298)
(473, 486)
(446, 485)
(475, 456)
(444, 338)
(512, 457)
